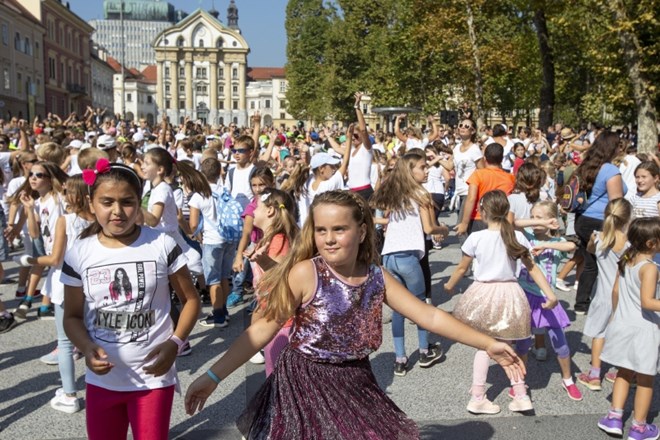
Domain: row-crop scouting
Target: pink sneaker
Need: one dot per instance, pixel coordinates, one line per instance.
(610, 376)
(593, 383)
(573, 391)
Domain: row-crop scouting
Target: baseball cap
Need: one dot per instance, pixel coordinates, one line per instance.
(138, 137)
(75, 144)
(180, 136)
(320, 159)
(314, 136)
(105, 142)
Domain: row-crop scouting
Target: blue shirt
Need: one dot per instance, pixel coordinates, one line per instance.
(598, 198)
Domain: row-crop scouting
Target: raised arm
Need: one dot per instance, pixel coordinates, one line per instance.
(362, 126)
(256, 128)
(397, 128)
(435, 131)
(343, 168)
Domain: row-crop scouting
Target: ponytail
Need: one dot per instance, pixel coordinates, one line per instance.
(494, 208)
(617, 216)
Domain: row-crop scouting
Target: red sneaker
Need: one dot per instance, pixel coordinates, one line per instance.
(573, 391)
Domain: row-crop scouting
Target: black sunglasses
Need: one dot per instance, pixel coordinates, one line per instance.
(240, 150)
(38, 175)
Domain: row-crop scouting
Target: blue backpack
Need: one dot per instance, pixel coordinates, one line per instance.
(230, 223)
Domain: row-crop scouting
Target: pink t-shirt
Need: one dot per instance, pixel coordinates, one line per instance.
(257, 233)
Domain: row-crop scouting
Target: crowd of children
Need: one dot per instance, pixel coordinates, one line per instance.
(141, 226)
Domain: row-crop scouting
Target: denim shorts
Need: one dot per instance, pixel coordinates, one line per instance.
(217, 260)
(38, 247)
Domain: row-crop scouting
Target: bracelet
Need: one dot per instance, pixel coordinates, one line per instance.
(213, 377)
(177, 340)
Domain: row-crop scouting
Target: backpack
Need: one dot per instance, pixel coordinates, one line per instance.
(229, 211)
(574, 197)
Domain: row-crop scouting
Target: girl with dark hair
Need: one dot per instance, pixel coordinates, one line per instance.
(495, 303)
(602, 181)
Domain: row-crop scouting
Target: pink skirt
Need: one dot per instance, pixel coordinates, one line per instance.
(498, 309)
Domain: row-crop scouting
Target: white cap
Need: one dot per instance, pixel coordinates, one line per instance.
(320, 159)
(138, 137)
(180, 136)
(85, 146)
(75, 144)
(105, 142)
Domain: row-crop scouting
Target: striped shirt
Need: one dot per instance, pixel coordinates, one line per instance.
(645, 206)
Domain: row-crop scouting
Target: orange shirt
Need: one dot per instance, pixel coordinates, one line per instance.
(488, 179)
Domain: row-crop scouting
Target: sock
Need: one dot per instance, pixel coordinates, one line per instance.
(402, 360)
(43, 308)
(28, 298)
(519, 389)
(20, 289)
(615, 414)
(568, 382)
(594, 372)
(5, 314)
(423, 351)
(478, 391)
(639, 426)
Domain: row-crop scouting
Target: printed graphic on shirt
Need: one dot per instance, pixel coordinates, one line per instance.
(122, 295)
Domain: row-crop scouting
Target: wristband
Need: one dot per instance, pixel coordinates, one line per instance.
(177, 340)
(213, 377)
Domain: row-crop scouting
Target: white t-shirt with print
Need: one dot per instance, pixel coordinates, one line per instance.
(127, 303)
(48, 210)
(491, 262)
(465, 163)
(208, 211)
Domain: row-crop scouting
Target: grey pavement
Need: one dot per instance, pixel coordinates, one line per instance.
(435, 398)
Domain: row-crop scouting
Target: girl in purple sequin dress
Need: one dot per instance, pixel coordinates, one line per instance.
(332, 285)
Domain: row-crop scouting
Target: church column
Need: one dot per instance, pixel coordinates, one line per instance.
(241, 87)
(227, 83)
(189, 88)
(174, 89)
(213, 84)
(160, 89)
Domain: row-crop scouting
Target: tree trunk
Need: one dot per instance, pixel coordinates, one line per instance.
(478, 79)
(547, 98)
(647, 130)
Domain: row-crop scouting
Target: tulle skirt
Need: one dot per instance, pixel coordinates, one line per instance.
(498, 309)
(304, 399)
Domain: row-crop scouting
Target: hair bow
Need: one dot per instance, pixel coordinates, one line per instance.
(102, 167)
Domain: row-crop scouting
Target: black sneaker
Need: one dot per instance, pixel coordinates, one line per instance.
(400, 369)
(7, 323)
(46, 315)
(431, 356)
(23, 308)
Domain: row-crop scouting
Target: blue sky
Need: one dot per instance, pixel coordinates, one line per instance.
(261, 22)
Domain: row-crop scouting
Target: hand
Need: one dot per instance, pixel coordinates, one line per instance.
(97, 360)
(256, 118)
(504, 355)
(449, 288)
(238, 264)
(430, 119)
(551, 303)
(401, 116)
(27, 200)
(260, 254)
(537, 249)
(461, 229)
(165, 355)
(358, 98)
(198, 392)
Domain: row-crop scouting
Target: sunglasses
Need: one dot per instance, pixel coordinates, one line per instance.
(468, 126)
(240, 150)
(38, 175)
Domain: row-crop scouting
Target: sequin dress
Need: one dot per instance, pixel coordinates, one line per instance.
(323, 386)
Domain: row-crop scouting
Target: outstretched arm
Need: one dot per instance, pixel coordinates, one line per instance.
(362, 126)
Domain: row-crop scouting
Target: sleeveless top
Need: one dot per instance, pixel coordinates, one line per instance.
(341, 322)
(359, 168)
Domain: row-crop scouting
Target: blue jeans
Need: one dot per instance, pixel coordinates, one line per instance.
(405, 268)
(241, 277)
(64, 353)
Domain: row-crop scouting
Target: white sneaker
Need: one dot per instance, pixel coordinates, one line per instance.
(50, 358)
(64, 403)
(575, 286)
(541, 354)
(258, 359)
(561, 285)
(521, 404)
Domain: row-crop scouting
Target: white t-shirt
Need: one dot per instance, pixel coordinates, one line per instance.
(208, 210)
(239, 185)
(405, 233)
(333, 183)
(52, 286)
(465, 163)
(13, 186)
(74, 168)
(127, 303)
(519, 205)
(48, 210)
(627, 168)
(163, 193)
(436, 182)
(491, 262)
(359, 168)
